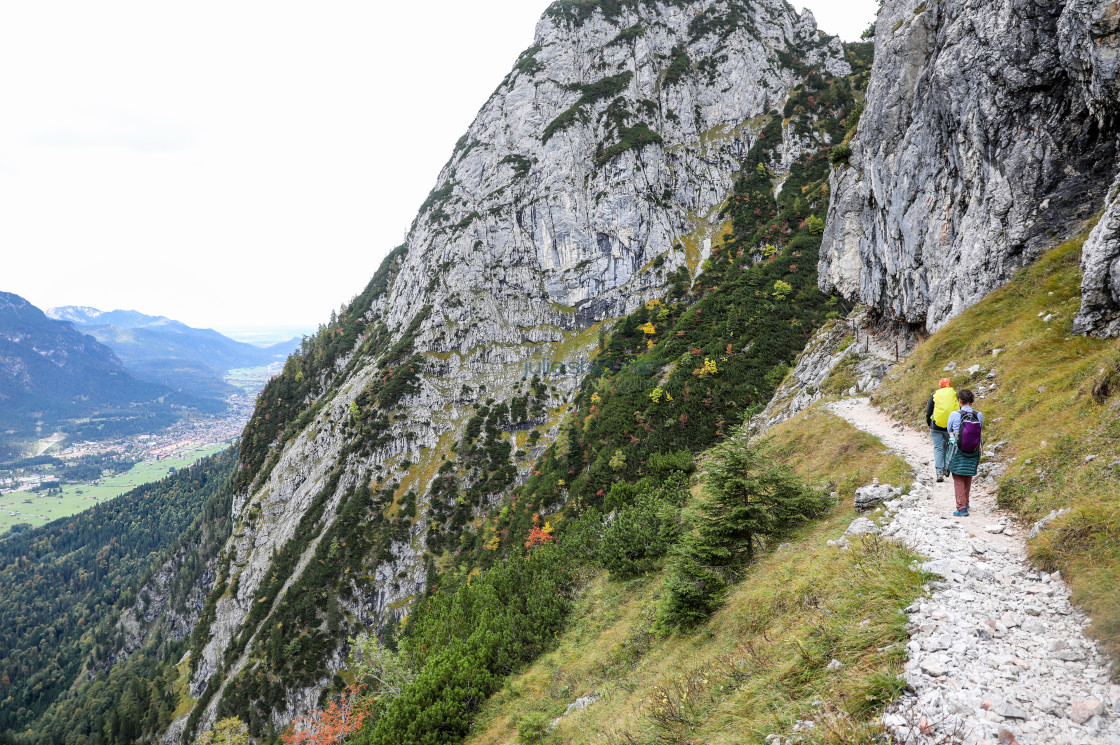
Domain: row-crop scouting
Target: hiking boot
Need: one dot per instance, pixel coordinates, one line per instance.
(940, 478)
(961, 513)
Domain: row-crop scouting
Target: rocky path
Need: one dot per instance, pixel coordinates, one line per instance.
(997, 653)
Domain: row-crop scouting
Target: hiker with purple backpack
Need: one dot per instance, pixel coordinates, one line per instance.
(965, 441)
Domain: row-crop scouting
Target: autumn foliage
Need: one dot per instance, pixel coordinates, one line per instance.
(331, 725)
(539, 536)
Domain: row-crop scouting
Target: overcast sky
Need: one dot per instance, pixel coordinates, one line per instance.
(234, 163)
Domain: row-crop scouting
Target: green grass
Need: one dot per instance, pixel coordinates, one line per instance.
(761, 662)
(77, 497)
(822, 447)
(1056, 401)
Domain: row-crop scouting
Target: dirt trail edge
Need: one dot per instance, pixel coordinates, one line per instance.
(997, 654)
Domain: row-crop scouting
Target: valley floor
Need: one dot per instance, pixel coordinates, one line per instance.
(997, 652)
(40, 508)
(156, 455)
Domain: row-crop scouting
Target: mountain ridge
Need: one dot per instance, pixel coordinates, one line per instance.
(644, 189)
(171, 353)
(557, 213)
(52, 372)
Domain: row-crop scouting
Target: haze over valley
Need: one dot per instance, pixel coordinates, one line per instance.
(97, 403)
(602, 372)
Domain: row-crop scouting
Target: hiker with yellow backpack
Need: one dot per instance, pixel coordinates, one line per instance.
(941, 404)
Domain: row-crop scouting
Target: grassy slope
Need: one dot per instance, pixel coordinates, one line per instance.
(758, 665)
(1044, 406)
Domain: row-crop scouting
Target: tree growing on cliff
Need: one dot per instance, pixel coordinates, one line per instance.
(228, 731)
(387, 672)
(340, 719)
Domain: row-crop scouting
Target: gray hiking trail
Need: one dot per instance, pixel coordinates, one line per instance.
(997, 654)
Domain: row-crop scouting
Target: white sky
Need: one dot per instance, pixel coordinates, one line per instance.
(239, 163)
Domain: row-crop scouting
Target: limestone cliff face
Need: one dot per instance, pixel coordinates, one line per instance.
(1091, 39)
(989, 130)
(1100, 273)
(551, 202)
(595, 171)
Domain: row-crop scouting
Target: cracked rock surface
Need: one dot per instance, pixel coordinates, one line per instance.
(1100, 273)
(989, 133)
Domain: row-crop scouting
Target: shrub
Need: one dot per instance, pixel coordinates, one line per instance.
(641, 533)
(532, 728)
(840, 154)
(661, 465)
(749, 497)
(678, 68)
(465, 638)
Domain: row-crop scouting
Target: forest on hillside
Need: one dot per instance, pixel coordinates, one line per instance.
(684, 371)
(66, 584)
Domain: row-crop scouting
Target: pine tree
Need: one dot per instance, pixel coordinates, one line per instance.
(748, 497)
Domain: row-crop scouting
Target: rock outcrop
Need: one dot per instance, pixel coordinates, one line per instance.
(874, 494)
(846, 357)
(594, 173)
(989, 132)
(1100, 274)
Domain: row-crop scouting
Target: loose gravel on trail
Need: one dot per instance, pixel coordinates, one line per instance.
(997, 654)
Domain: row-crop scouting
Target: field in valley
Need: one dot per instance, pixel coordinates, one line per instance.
(39, 509)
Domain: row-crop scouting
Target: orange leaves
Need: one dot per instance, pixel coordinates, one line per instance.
(539, 536)
(341, 718)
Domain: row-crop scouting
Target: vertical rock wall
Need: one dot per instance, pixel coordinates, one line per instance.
(989, 132)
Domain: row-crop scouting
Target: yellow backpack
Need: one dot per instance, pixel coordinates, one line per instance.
(944, 404)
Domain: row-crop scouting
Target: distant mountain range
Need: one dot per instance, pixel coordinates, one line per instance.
(51, 373)
(162, 350)
(97, 374)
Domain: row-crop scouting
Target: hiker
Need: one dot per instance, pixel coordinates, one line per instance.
(941, 404)
(964, 448)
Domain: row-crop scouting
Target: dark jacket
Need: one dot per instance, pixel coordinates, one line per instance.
(929, 417)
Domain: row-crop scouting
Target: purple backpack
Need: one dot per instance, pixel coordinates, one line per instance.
(970, 432)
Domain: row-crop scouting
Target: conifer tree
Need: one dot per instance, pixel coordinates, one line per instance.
(748, 498)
